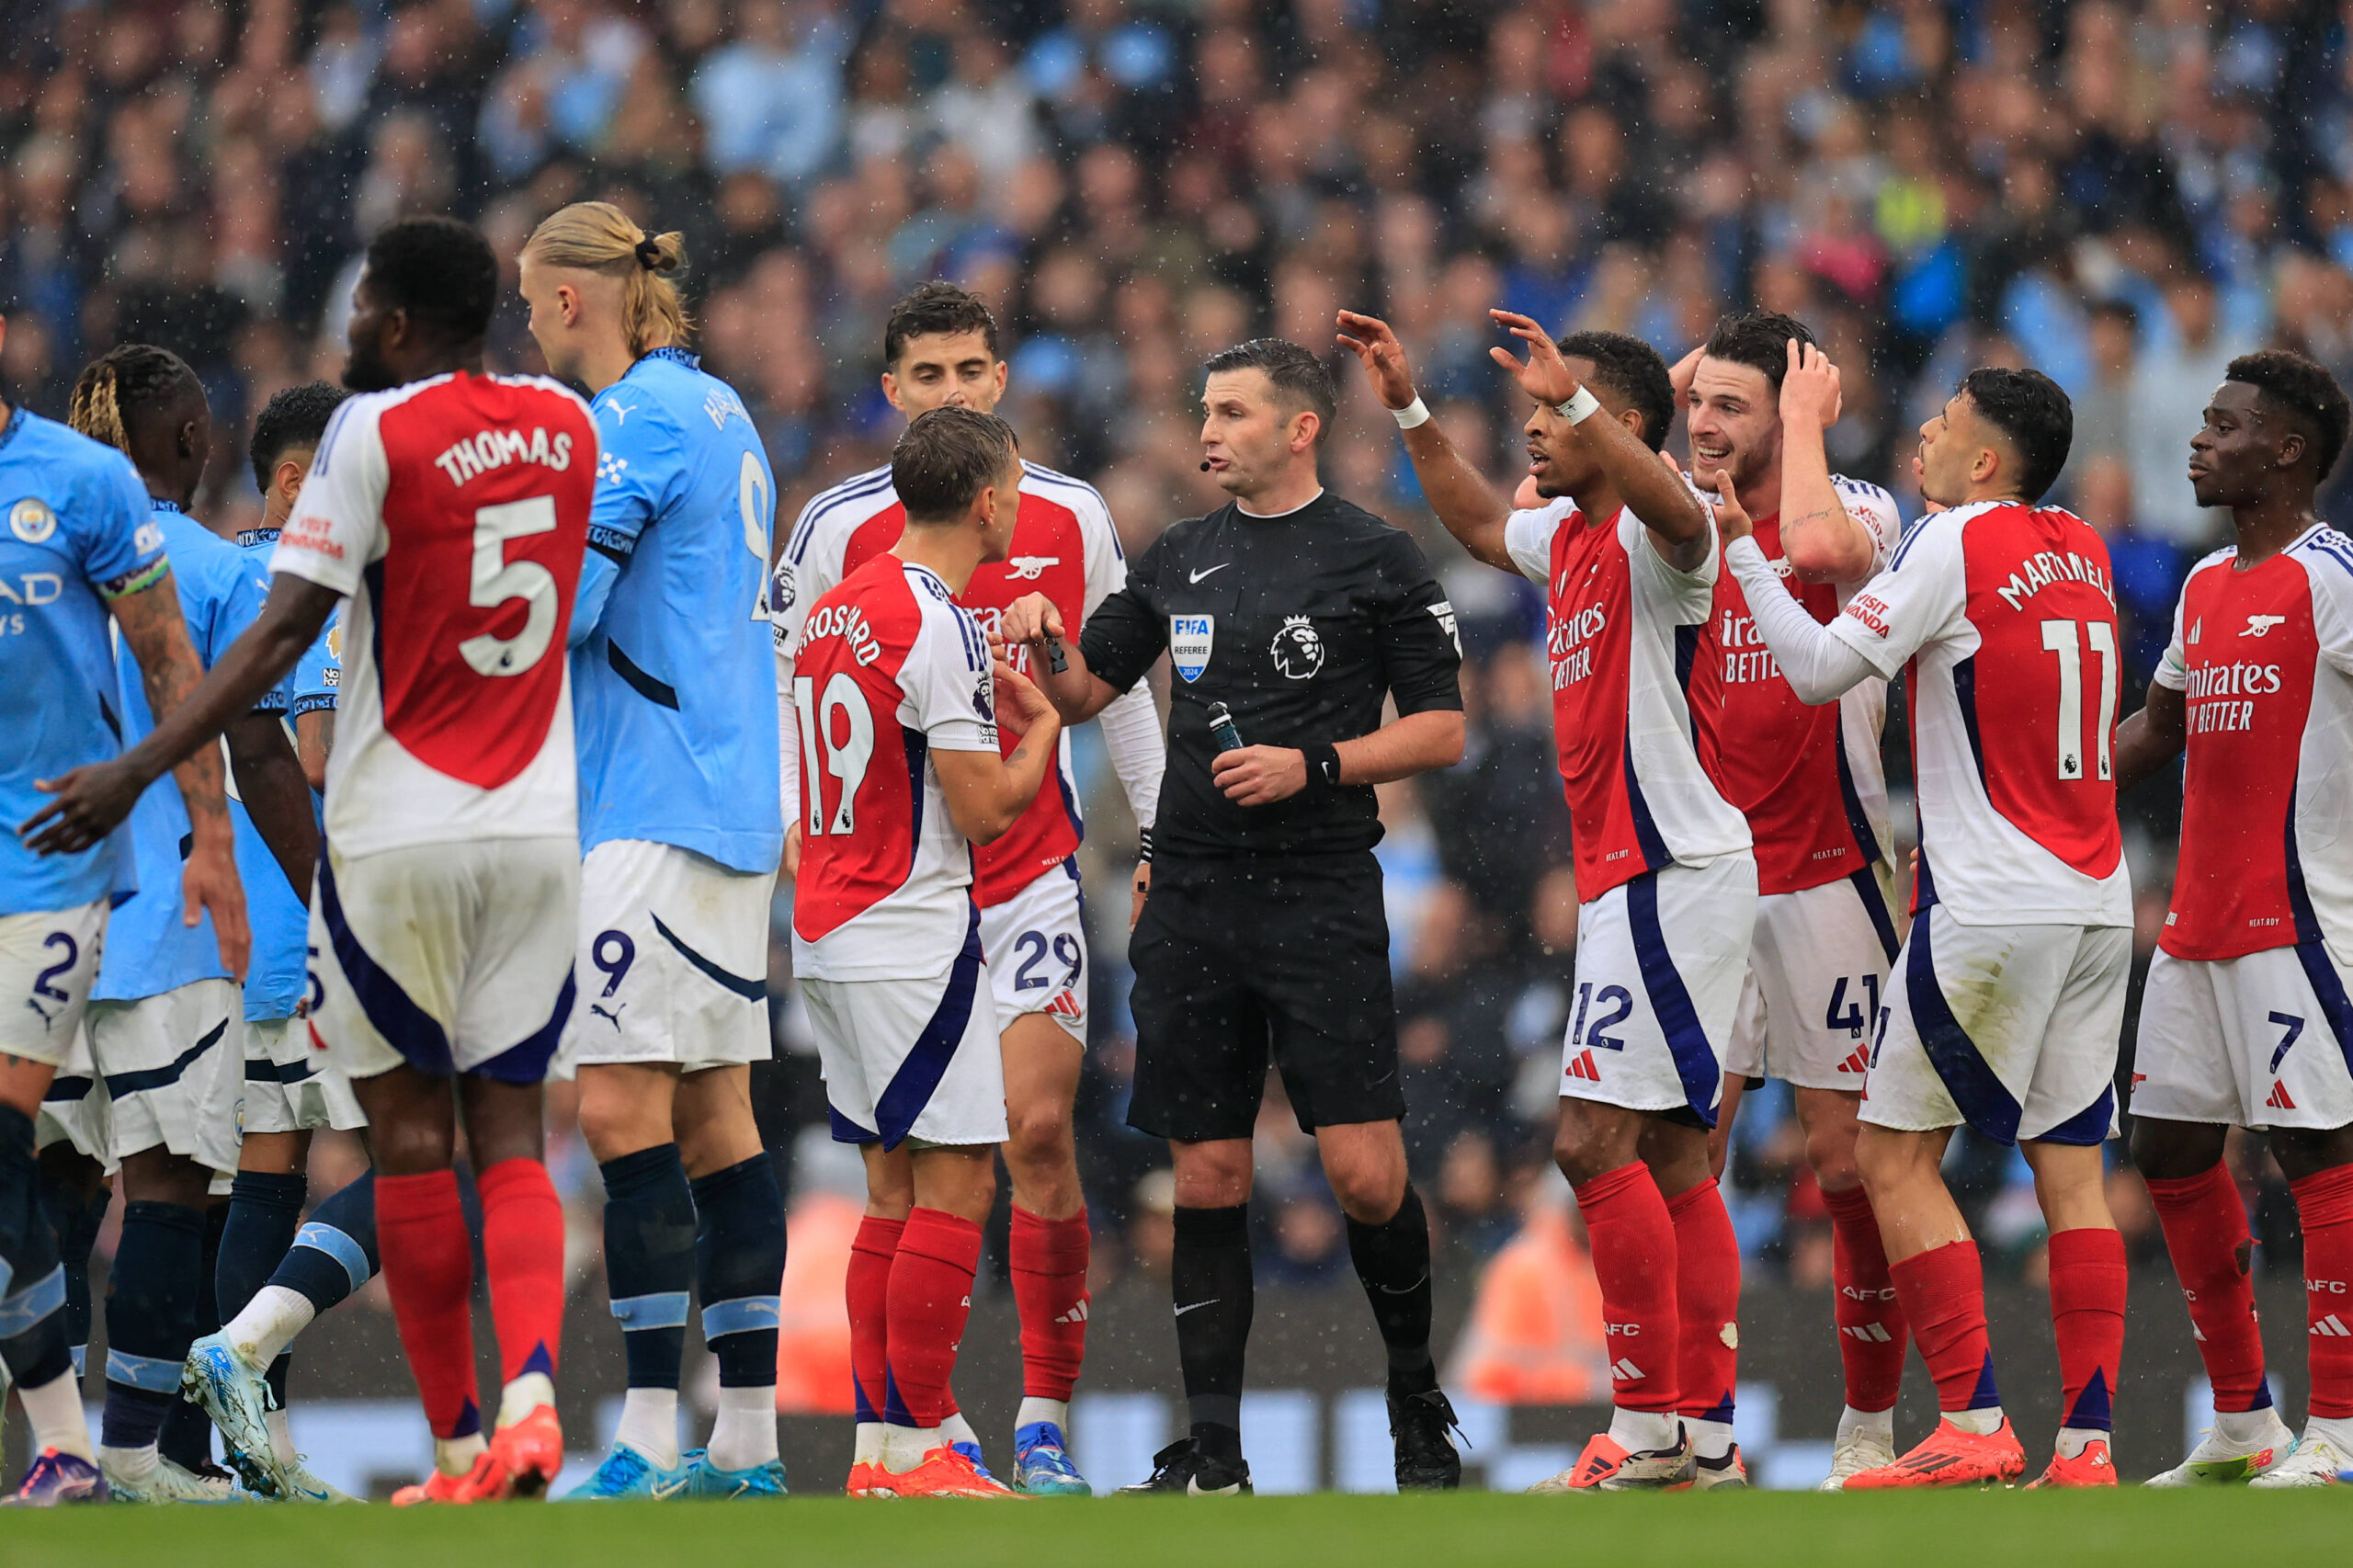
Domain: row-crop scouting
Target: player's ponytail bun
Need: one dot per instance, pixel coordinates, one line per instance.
(596, 236)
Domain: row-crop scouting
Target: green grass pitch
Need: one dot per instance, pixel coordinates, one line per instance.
(2129, 1529)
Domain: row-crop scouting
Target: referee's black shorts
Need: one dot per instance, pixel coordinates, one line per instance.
(1235, 960)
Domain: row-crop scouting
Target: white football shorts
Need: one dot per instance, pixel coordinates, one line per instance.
(2011, 1028)
(47, 964)
(673, 959)
(1036, 943)
(912, 1059)
(76, 1109)
(1816, 972)
(1660, 963)
(2261, 1040)
(447, 958)
(290, 1085)
(172, 1066)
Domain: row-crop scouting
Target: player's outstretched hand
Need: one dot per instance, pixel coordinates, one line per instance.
(1029, 622)
(1810, 392)
(91, 802)
(1020, 703)
(1259, 776)
(1546, 377)
(1383, 358)
(1731, 521)
(209, 884)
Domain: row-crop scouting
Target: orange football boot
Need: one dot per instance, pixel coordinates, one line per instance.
(864, 1477)
(943, 1474)
(2090, 1467)
(1607, 1466)
(485, 1481)
(1950, 1457)
(530, 1451)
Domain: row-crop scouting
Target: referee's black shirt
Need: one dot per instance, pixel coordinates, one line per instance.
(1299, 624)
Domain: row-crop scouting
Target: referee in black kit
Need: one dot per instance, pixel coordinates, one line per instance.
(1297, 613)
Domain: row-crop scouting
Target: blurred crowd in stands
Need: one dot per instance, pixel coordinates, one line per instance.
(2124, 194)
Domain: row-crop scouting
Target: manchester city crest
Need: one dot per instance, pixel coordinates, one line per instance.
(31, 520)
(1297, 648)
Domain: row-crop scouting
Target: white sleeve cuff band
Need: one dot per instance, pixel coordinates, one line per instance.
(1580, 408)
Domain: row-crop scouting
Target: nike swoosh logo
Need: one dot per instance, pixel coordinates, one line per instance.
(1405, 1289)
(1196, 1306)
(1220, 566)
(670, 1489)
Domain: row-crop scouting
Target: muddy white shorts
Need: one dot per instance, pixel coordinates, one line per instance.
(912, 1059)
(1660, 963)
(46, 962)
(2261, 1040)
(75, 1110)
(1036, 947)
(673, 959)
(449, 958)
(1816, 972)
(172, 1066)
(2011, 1028)
(290, 1084)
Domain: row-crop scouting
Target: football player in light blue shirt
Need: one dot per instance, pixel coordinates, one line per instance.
(166, 1020)
(675, 713)
(78, 546)
(289, 1090)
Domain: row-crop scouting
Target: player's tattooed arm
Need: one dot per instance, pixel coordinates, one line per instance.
(1470, 508)
(986, 794)
(1653, 488)
(1822, 541)
(2151, 738)
(156, 633)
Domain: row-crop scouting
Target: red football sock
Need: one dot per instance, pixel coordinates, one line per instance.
(1633, 1240)
(867, 1288)
(1871, 1332)
(1943, 1294)
(2087, 1282)
(2212, 1253)
(429, 1272)
(2325, 1204)
(522, 1248)
(931, 1295)
(1707, 1296)
(1048, 1262)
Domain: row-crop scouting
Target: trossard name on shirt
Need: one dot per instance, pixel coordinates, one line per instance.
(849, 623)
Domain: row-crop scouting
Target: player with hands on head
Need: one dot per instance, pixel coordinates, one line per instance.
(78, 513)
(447, 511)
(896, 709)
(2009, 993)
(1298, 614)
(940, 349)
(673, 692)
(1760, 395)
(1626, 554)
(2244, 1021)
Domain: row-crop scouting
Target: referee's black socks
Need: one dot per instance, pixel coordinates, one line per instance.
(1210, 1277)
(1393, 1260)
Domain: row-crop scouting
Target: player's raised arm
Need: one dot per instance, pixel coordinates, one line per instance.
(1818, 665)
(1819, 538)
(1652, 486)
(92, 800)
(985, 794)
(1472, 510)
